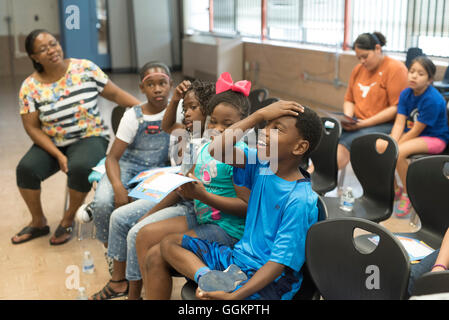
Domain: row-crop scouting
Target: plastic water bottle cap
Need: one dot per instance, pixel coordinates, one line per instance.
(329, 124)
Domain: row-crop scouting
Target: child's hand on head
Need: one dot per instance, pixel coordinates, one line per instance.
(279, 109)
(181, 89)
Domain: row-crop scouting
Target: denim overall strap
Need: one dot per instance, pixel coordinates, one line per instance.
(150, 146)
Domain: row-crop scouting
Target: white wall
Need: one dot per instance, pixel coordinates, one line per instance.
(3, 14)
(152, 31)
(23, 13)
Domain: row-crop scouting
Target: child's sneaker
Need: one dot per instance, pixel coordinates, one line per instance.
(84, 213)
(404, 206)
(397, 193)
(226, 281)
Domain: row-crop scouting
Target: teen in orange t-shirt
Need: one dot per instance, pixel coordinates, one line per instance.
(373, 93)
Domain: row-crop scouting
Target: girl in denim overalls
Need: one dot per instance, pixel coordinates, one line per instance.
(140, 144)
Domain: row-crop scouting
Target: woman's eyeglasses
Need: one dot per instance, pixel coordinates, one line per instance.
(43, 49)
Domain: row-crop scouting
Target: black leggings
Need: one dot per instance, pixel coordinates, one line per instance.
(37, 165)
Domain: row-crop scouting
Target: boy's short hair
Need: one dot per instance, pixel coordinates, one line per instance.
(310, 128)
(236, 99)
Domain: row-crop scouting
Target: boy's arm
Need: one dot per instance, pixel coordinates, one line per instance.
(263, 277)
(169, 121)
(225, 143)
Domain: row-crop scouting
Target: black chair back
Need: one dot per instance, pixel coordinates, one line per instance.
(428, 189)
(342, 272)
(116, 116)
(324, 157)
(375, 172)
(431, 283)
(446, 76)
(256, 96)
(308, 290)
(322, 210)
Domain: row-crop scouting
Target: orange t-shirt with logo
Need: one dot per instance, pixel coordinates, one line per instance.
(374, 91)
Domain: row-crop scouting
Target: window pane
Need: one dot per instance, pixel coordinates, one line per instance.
(323, 21)
(224, 16)
(430, 27)
(196, 15)
(386, 16)
(309, 21)
(284, 20)
(249, 17)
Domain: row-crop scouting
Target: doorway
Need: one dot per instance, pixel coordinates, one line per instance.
(85, 31)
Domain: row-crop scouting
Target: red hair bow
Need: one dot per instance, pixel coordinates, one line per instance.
(225, 83)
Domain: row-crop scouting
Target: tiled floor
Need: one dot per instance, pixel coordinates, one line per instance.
(36, 270)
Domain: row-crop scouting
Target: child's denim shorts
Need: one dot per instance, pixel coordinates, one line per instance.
(209, 231)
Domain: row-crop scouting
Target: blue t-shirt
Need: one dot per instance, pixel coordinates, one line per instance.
(279, 215)
(428, 108)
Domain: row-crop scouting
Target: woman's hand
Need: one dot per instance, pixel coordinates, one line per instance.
(279, 109)
(355, 126)
(181, 89)
(62, 160)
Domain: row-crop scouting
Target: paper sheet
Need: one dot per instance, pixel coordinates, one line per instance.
(158, 185)
(144, 174)
(417, 250)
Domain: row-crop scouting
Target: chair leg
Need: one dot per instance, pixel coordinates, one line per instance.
(80, 227)
(341, 180)
(66, 199)
(415, 222)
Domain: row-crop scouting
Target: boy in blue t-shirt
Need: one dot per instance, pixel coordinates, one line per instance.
(281, 209)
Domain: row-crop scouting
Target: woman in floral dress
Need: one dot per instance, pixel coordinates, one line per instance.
(59, 110)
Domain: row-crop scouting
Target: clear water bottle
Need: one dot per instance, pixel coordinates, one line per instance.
(347, 200)
(82, 294)
(88, 263)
